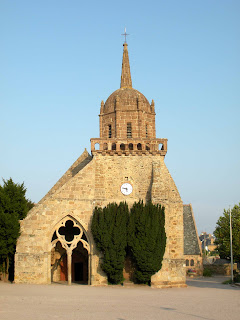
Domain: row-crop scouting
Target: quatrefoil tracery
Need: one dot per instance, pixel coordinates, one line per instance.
(69, 231)
(69, 234)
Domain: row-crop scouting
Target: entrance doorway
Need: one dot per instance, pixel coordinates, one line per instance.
(78, 271)
(80, 264)
(70, 252)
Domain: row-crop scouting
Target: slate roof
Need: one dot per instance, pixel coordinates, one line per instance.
(191, 242)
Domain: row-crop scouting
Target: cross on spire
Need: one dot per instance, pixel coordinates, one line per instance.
(125, 34)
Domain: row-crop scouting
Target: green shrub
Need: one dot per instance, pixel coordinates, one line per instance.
(146, 239)
(207, 272)
(236, 278)
(109, 229)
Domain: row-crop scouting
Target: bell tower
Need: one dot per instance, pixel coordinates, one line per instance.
(126, 165)
(127, 120)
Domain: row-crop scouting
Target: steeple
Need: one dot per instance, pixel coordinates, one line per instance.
(126, 81)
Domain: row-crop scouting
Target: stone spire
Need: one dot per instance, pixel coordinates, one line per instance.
(126, 81)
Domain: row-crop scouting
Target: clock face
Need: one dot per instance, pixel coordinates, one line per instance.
(126, 189)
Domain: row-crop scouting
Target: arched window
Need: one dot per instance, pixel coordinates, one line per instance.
(114, 146)
(192, 263)
(96, 146)
(109, 131)
(139, 146)
(160, 146)
(147, 146)
(187, 262)
(130, 146)
(122, 146)
(129, 130)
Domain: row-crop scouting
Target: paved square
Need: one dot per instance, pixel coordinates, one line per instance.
(204, 298)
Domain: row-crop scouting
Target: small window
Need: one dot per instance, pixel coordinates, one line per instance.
(192, 263)
(187, 263)
(146, 131)
(114, 146)
(122, 146)
(129, 130)
(130, 146)
(139, 146)
(109, 131)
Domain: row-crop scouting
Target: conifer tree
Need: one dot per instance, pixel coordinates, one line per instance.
(222, 234)
(109, 229)
(13, 207)
(146, 239)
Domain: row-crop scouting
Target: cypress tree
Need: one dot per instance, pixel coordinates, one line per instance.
(109, 229)
(146, 239)
(13, 207)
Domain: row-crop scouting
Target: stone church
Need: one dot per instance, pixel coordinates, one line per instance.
(126, 164)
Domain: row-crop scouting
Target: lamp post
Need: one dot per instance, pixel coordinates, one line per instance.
(230, 217)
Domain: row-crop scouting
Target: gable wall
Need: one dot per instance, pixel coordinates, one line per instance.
(97, 184)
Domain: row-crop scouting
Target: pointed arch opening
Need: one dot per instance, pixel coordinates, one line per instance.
(70, 252)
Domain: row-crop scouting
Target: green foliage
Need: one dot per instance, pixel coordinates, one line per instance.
(236, 278)
(143, 231)
(222, 234)
(13, 207)
(146, 239)
(207, 272)
(109, 229)
(13, 199)
(229, 281)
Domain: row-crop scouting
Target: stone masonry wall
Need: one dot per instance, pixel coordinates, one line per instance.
(98, 183)
(119, 119)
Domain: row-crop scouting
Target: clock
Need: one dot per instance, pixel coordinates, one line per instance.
(126, 188)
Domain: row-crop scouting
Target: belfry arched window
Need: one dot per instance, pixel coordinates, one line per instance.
(139, 146)
(130, 146)
(122, 146)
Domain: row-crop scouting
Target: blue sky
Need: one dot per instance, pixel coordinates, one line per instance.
(59, 59)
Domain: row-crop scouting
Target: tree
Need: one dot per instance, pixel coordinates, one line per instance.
(222, 234)
(109, 229)
(13, 207)
(146, 239)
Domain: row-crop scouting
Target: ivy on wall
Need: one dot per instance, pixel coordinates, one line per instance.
(140, 232)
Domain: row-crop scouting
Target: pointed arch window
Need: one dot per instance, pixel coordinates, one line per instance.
(129, 130)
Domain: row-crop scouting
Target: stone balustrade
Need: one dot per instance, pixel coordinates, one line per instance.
(129, 146)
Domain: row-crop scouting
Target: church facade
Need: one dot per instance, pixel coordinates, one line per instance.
(126, 164)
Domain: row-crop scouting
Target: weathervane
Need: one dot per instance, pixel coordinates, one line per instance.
(125, 34)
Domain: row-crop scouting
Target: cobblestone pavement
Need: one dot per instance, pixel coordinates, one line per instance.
(204, 298)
